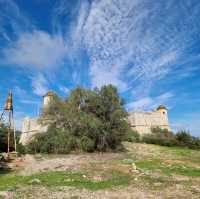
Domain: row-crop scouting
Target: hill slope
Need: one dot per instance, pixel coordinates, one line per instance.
(142, 171)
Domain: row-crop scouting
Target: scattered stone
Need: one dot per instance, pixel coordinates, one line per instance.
(195, 189)
(134, 166)
(135, 171)
(35, 181)
(157, 184)
(179, 186)
(68, 180)
(84, 176)
(135, 179)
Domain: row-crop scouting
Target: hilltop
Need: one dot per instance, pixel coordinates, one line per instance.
(142, 171)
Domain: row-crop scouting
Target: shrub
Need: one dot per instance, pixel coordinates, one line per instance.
(21, 149)
(164, 137)
(87, 144)
(160, 137)
(132, 136)
(53, 141)
(185, 139)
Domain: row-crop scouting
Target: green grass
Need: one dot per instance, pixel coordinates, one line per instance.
(156, 165)
(182, 153)
(59, 178)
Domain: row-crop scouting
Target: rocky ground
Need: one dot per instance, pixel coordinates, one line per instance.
(142, 171)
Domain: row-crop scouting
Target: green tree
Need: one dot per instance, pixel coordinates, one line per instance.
(87, 120)
(184, 138)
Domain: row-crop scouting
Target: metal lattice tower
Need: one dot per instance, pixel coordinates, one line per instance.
(8, 110)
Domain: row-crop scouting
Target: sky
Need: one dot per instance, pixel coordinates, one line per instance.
(149, 49)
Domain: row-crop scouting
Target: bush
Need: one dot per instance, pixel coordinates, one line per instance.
(21, 149)
(87, 144)
(185, 139)
(53, 141)
(88, 120)
(160, 137)
(132, 136)
(164, 137)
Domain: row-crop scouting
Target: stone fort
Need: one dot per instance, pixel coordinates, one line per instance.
(140, 121)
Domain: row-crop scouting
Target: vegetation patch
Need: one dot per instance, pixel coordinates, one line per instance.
(157, 165)
(165, 137)
(183, 153)
(60, 178)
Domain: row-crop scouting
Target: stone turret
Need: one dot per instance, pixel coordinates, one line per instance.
(47, 98)
(162, 109)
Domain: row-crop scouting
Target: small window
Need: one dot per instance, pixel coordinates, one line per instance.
(163, 112)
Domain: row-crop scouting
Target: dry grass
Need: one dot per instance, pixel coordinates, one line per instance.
(162, 172)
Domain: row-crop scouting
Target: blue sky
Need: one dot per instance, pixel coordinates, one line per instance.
(149, 49)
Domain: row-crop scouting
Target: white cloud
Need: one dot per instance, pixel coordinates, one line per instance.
(39, 84)
(36, 50)
(148, 103)
(64, 89)
(24, 97)
(131, 44)
(106, 38)
(11, 16)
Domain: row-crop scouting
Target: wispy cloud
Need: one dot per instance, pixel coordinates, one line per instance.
(148, 103)
(39, 84)
(12, 17)
(133, 44)
(37, 50)
(64, 89)
(24, 97)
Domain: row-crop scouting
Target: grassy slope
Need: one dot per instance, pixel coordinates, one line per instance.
(159, 167)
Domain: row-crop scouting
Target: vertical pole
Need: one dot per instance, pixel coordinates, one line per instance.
(13, 126)
(1, 116)
(9, 126)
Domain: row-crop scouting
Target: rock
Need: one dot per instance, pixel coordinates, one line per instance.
(35, 181)
(179, 186)
(157, 184)
(135, 171)
(135, 179)
(68, 180)
(195, 189)
(134, 166)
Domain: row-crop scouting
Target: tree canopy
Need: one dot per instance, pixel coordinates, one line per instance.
(88, 120)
